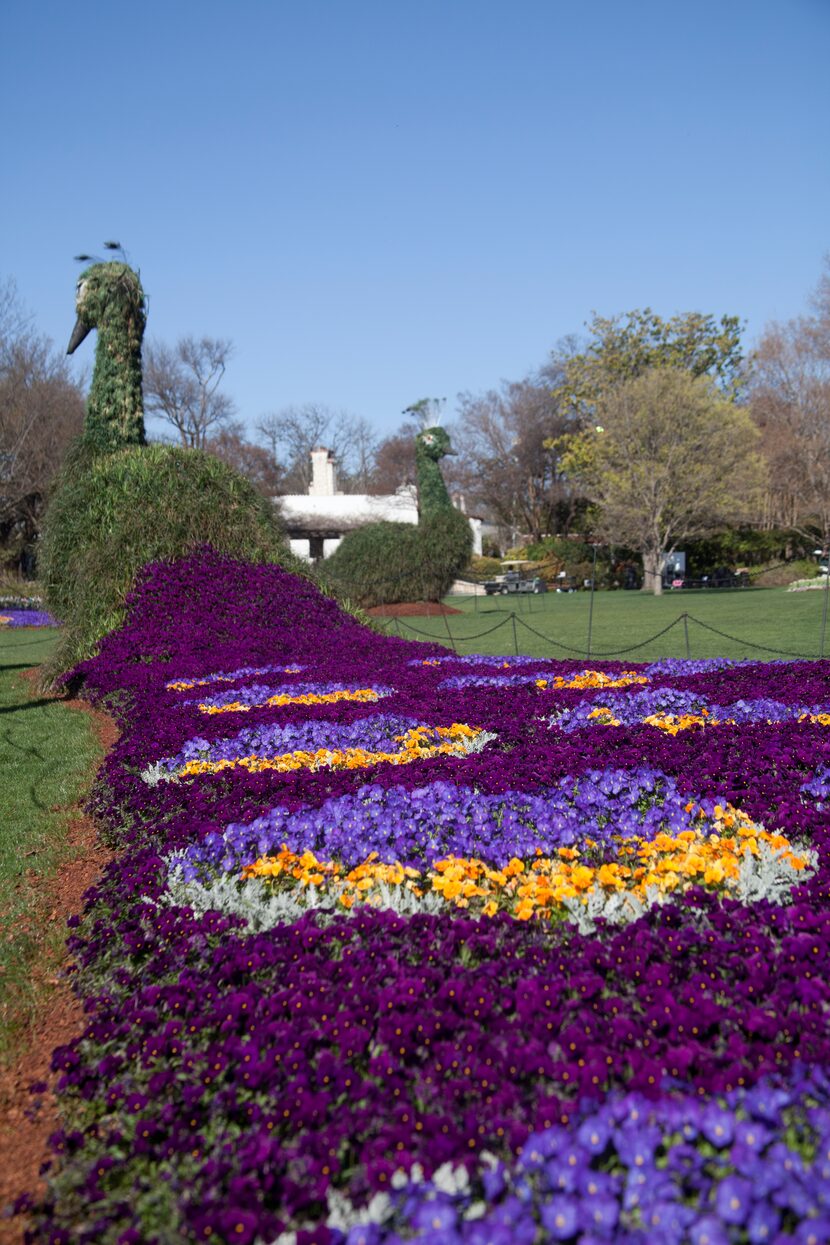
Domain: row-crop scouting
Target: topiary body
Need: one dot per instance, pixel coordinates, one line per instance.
(113, 513)
(387, 563)
(109, 297)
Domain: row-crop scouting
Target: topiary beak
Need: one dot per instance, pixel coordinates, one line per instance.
(78, 334)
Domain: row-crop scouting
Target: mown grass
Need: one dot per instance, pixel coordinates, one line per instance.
(756, 622)
(48, 755)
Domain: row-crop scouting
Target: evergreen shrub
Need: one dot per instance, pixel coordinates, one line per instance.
(111, 514)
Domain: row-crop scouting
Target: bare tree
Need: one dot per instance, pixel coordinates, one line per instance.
(231, 445)
(182, 386)
(510, 471)
(394, 459)
(790, 392)
(14, 320)
(292, 433)
(41, 412)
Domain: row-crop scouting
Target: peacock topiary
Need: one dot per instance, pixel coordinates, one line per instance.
(386, 563)
(119, 503)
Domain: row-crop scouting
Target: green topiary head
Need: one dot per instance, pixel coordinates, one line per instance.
(109, 297)
(106, 293)
(433, 443)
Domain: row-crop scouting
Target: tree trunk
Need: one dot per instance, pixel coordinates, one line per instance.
(652, 579)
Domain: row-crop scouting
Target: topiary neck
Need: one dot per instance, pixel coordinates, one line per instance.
(432, 491)
(115, 410)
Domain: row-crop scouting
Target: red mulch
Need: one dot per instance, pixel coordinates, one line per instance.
(24, 1127)
(411, 609)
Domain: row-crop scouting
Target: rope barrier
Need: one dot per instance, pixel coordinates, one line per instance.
(632, 648)
(430, 636)
(549, 640)
(513, 618)
(782, 652)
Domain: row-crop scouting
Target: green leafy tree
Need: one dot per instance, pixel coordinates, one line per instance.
(667, 460)
(624, 347)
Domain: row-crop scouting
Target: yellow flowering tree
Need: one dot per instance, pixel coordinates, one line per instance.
(668, 459)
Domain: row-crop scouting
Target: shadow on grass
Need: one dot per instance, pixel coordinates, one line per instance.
(30, 704)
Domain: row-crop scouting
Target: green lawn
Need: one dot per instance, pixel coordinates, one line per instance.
(756, 622)
(48, 754)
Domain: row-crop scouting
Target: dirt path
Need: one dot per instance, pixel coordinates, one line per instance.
(27, 1120)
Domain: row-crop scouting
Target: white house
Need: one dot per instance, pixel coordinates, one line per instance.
(318, 520)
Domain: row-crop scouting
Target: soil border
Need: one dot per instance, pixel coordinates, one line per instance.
(27, 1120)
(412, 609)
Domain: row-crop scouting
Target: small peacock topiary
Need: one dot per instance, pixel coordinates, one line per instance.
(119, 503)
(386, 563)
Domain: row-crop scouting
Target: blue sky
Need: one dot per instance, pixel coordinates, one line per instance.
(379, 201)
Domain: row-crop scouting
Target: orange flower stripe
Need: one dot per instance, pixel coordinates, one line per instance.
(538, 887)
(673, 723)
(309, 698)
(594, 678)
(4, 618)
(417, 744)
(185, 685)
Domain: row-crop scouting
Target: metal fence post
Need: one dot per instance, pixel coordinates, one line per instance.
(449, 633)
(591, 602)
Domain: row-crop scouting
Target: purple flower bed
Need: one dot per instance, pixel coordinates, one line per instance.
(378, 1078)
(26, 618)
